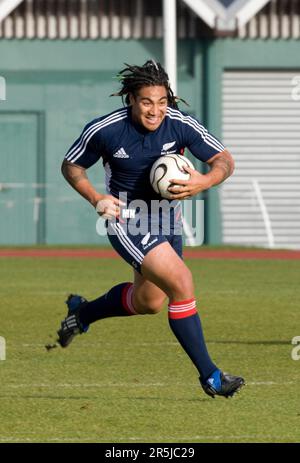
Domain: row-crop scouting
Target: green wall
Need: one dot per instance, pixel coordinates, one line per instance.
(67, 83)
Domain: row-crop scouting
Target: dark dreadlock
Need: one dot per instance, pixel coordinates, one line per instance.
(133, 78)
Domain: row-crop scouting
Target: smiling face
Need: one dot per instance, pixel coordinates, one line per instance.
(149, 106)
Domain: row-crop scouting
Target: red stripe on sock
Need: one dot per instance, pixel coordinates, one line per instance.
(124, 299)
(176, 315)
(187, 301)
(182, 309)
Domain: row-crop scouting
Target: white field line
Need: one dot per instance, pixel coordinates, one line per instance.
(137, 343)
(84, 385)
(161, 439)
(134, 385)
(134, 343)
(204, 437)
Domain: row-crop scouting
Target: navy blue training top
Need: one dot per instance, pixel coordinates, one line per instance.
(128, 150)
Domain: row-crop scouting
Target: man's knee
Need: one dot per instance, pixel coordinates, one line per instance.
(183, 283)
(149, 306)
(154, 307)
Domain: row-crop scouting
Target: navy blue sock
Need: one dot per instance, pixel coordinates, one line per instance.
(117, 302)
(186, 325)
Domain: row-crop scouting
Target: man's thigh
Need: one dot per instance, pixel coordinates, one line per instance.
(164, 268)
(133, 248)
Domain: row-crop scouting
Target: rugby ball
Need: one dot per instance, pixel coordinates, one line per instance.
(165, 168)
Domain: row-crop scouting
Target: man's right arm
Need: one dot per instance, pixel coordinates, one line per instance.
(107, 206)
(76, 176)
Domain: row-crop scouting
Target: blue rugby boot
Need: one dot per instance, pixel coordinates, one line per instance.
(71, 325)
(222, 384)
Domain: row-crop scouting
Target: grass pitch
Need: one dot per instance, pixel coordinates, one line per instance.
(127, 379)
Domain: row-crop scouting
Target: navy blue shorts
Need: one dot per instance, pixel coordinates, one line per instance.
(133, 241)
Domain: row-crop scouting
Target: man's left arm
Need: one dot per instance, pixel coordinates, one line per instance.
(221, 167)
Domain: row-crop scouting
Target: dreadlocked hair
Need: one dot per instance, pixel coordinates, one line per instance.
(133, 78)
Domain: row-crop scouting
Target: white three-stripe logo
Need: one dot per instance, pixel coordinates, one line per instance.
(121, 153)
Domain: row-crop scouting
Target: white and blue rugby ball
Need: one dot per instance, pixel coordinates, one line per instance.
(165, 168)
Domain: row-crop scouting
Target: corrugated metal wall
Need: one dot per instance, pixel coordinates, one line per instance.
(261, 203)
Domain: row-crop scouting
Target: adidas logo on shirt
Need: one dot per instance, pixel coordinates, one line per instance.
(121, 153)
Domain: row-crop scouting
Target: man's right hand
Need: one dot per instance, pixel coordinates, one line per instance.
(108, 207)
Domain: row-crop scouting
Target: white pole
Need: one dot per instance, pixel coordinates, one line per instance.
(170, 64)
(170, 41)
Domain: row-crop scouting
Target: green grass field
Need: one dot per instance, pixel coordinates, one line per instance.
(128, 380)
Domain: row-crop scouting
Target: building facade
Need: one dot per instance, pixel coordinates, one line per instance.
(238, 67)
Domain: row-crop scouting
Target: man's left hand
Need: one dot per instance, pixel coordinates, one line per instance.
(183, 189)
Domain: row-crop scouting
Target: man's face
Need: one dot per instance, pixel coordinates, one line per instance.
(149, 106)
